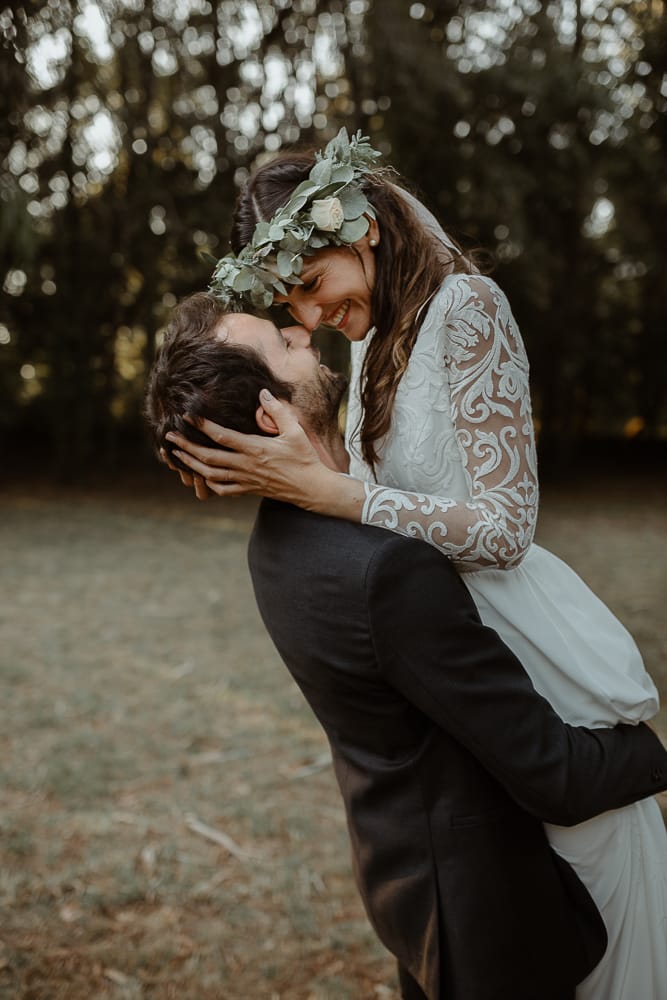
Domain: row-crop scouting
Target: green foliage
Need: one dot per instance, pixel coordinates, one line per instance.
(323, 211)
(520, 138)
(536, 131)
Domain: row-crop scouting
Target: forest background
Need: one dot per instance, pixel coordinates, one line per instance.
(170, 826)
(536, 131)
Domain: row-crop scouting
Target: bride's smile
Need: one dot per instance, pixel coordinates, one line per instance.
(337, 288)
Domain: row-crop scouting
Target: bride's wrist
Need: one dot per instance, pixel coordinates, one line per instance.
(338, 495)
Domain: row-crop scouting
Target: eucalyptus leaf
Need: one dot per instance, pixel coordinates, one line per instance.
(265, 275)
(321, 173)
(244, 280)
(291, 242)
(339, 147)
(305, 231)
(284, 261)
(328, 191)
(276, 232)
(297, 202)
(352, 231)
(342, 173)
(261, 298)
(261, 234)
(354, 202)
(306, 187)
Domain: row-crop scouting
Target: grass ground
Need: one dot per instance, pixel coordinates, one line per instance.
(169, 824)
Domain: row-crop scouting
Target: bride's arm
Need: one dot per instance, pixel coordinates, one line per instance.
(285, 467)
(488, 378)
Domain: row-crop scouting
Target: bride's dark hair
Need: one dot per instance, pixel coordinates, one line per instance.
(410, 265)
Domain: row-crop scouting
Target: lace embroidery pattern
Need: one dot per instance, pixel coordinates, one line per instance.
(472, 341)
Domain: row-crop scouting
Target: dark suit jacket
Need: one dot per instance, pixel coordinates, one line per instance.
(447, 759)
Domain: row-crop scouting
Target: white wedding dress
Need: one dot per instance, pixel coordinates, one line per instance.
(458, 469)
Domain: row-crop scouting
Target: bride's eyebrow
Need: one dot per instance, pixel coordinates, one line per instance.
(309, 269)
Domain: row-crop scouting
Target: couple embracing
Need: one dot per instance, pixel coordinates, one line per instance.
(485, 710)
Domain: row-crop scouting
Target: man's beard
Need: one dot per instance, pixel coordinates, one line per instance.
(318, 401)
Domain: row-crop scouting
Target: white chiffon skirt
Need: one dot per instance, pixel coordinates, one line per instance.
(586, 664)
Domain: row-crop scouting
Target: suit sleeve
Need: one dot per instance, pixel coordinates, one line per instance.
(432, 646)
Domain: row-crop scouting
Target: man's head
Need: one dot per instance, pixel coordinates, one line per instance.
(213, 364)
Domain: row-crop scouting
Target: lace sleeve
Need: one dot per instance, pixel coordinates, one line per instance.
(487, 371)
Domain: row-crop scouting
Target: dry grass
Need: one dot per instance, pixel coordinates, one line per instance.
(170, 826)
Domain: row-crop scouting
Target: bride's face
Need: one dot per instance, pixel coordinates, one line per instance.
(337, 288)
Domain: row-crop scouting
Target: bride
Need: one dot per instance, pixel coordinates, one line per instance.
(442, 449)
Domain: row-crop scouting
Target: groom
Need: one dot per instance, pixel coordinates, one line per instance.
(446, 757)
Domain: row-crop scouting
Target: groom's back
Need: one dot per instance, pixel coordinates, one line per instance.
(309, 575)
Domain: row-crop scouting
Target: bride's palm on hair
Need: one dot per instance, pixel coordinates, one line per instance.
(285, 466)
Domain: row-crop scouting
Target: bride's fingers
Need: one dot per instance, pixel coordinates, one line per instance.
(282, 416)
(226, 489)
(212, 457)
(226, 438)
(207, 472)
(202, 492)
(164, 457)
(185, 477)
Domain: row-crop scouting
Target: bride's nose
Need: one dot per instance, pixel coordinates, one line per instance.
(309, 316)
(299, 336)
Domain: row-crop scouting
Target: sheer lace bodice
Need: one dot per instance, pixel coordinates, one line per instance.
(458, 468)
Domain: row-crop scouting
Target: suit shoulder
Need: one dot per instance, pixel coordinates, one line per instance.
(310, 546)
(397, 557)
(276, 521)
(353, 550)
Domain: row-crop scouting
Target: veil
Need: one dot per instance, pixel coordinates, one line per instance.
(431, 224)
(427, 219)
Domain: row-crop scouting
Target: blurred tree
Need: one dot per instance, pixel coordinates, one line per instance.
(535, 130)
(638, 190)
(130, 127)
(515, 121)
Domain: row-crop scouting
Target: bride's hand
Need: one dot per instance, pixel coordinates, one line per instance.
(285, 467)
(188, 479)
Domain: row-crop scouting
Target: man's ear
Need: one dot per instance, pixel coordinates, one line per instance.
(265, 422)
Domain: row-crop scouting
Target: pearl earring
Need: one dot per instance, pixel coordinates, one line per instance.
(373, 243)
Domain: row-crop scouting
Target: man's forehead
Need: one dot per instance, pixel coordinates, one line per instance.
(235, 325)
(247, 329)
(222, 330)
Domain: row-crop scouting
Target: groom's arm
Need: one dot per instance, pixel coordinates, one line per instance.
(431, 645)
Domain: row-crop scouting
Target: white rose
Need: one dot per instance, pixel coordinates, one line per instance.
(327, 214)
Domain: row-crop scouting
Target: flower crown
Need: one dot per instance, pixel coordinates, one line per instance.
(327, 209)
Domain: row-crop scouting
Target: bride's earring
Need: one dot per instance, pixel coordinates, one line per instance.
(373, 243)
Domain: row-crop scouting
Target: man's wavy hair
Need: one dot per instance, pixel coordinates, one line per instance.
(197, 373)
(410, 266)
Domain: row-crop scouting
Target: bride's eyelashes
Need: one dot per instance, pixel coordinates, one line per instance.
(312, 284)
